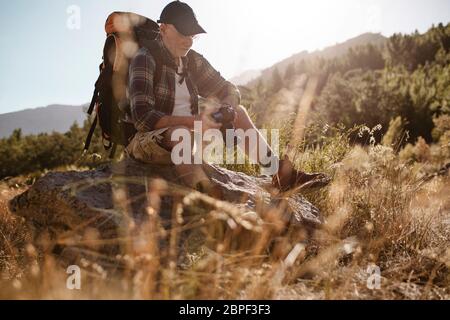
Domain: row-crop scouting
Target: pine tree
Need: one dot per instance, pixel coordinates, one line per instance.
(276, 82)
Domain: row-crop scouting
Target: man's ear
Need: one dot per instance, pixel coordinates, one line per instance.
(162, 27)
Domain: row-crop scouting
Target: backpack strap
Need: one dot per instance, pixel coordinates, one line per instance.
(98, 85)
(96, 90)
(90, 134)
(93, 101)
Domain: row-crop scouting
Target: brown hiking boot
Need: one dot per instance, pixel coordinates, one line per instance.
(288, 178)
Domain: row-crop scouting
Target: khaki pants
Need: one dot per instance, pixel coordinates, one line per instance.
(145, 147)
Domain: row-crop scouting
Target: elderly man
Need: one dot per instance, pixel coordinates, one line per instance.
(157, 110)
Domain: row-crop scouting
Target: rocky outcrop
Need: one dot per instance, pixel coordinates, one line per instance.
(71, 208)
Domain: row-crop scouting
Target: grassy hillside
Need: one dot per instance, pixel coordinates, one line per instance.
(382, 212)
(407, 77)
(331, 52)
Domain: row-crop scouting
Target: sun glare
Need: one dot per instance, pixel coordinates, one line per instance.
(261, 33)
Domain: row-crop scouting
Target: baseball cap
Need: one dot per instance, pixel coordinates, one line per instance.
(182, 16)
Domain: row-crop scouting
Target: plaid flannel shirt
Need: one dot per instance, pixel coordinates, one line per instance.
(149, 104)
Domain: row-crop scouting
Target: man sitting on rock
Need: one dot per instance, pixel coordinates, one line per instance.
(178, 91)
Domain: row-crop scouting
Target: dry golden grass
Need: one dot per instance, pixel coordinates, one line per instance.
(378, 211)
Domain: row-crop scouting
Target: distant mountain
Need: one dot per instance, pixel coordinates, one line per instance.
(44, 119)
(245, 77)
(327, 53)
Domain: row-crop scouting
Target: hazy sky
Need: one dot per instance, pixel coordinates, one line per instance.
(46, 57)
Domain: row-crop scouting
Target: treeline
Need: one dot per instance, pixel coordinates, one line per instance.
(34, 153)
(408, 77)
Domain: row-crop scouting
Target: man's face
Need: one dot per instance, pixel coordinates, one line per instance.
(178, 44)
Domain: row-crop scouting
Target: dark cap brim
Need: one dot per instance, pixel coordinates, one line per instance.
(189, 29)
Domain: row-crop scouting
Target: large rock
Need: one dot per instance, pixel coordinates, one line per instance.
(71, 208)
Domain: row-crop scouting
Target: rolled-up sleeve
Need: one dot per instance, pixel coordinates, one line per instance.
(211, 83)
(141, 94)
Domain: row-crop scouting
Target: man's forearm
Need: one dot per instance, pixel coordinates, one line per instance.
(175, 121)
